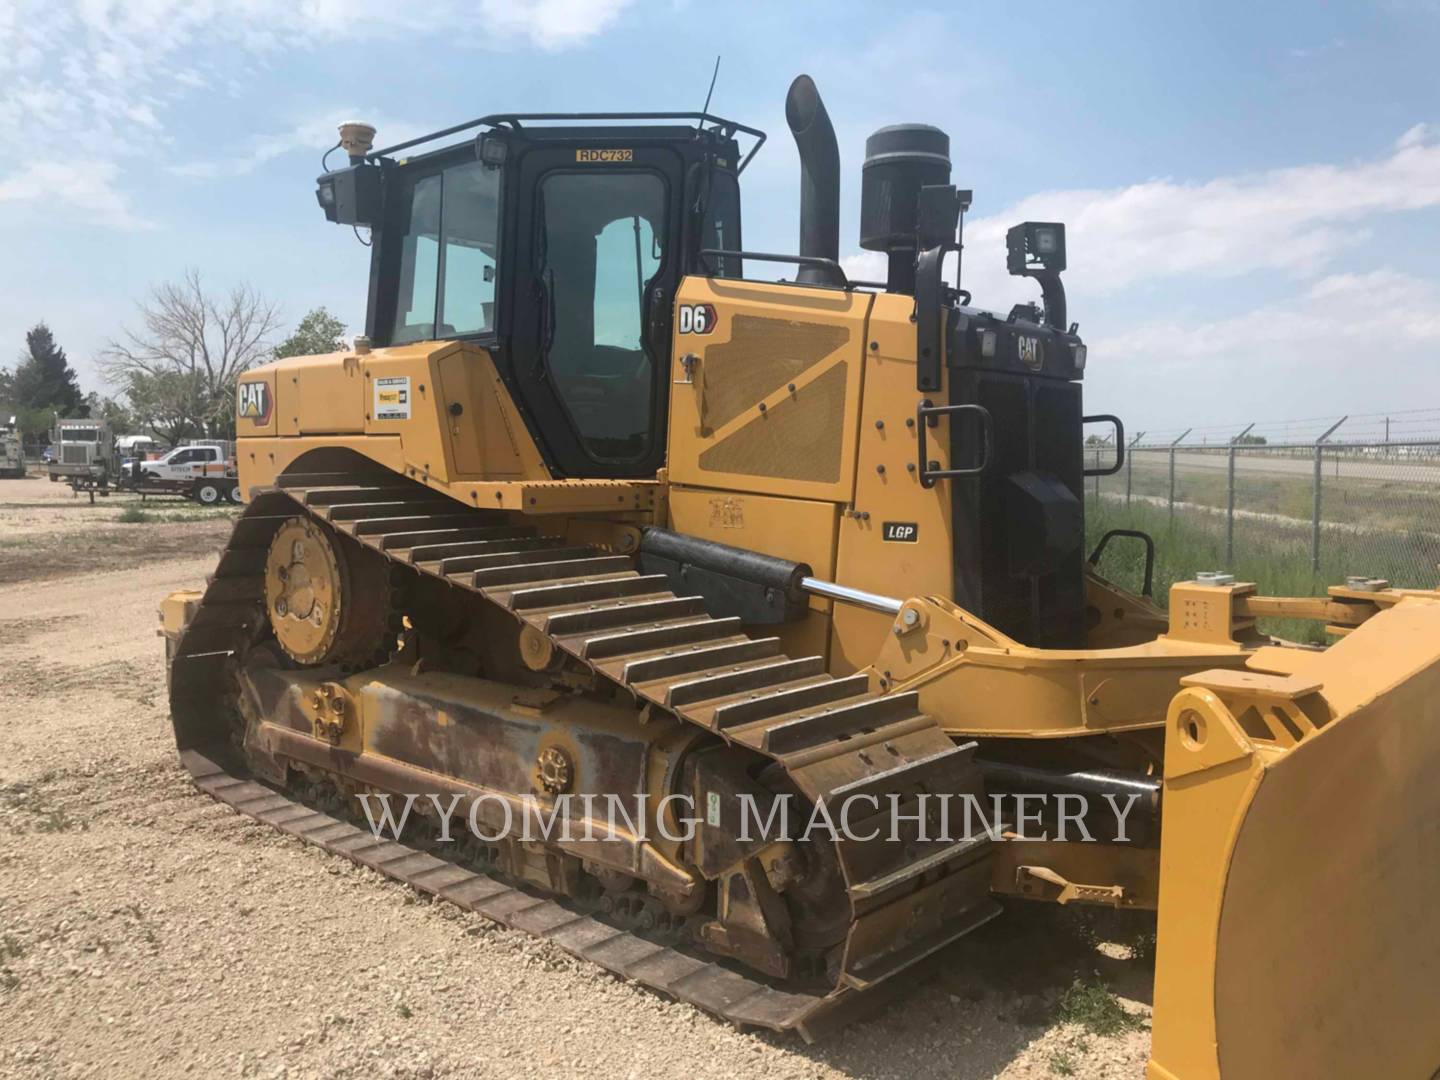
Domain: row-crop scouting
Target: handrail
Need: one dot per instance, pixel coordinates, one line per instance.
(730, 127)
(800, 260)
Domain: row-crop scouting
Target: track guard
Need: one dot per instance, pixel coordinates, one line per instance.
(1299, 933)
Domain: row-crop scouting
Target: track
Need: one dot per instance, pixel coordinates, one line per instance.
(834, 737)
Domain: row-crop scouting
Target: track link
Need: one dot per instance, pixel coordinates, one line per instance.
(834, 736)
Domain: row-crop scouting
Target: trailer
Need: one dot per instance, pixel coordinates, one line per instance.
(201, 471)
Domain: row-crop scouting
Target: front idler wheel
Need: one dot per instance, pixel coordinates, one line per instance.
(326, 604)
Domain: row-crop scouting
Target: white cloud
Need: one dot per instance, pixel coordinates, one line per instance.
(1339, 318)
(96, 78)
(85, 187)
(1293, 220)
(1357, 343)
(550, 24)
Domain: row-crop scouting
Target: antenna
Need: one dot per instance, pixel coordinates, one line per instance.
(708, 94)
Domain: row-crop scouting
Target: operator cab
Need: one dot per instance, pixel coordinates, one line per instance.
(558, 248)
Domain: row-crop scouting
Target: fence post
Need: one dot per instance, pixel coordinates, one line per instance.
(1230, 499)
(1171, 500)
(1173, 445)
(1315, 511)
(1130, 466)
(1230, 511)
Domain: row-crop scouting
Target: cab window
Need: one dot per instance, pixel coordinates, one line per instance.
(448, 246)
(722, 225)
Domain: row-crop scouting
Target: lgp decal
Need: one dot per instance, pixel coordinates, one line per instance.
(900, 532)
(255, 401)
(697, 318)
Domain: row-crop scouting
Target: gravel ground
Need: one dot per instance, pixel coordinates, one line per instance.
(146, 930)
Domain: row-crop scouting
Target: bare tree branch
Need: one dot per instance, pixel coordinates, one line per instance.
(203, 342)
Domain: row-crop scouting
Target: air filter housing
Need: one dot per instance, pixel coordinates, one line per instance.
(899, 161)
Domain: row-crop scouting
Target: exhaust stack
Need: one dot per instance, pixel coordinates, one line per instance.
(819, 177)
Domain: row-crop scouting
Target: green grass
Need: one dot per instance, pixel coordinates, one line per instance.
(164, 512)
(1407, 503)
(1274, 556)
(1093, 1007)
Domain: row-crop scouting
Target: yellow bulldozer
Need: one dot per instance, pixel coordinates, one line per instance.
(589, 517)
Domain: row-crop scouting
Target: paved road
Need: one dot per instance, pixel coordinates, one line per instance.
(1396, 470)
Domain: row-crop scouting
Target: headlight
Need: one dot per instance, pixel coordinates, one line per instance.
(1078, 352)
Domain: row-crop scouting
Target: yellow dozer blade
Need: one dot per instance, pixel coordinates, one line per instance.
(1299, 924)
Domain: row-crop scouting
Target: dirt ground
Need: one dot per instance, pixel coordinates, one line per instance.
(148, 931)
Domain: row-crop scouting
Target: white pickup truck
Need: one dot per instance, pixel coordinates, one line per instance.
(202, 471)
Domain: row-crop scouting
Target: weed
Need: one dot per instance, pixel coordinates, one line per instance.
(405, 1011)
(10, 947)
(133, 515)
(8, 979)
(1062, 1064)
(1142, 948)
(55, 820)
(1093, 1007)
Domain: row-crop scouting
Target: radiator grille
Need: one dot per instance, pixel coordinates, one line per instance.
(801, 438)
(761, 356)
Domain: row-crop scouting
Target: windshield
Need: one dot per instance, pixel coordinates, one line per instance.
(448, 228)
(86, 435)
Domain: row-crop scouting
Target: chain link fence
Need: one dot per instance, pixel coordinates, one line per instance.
(1281, 511)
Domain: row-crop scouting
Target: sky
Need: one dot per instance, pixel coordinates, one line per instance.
(1252, 192)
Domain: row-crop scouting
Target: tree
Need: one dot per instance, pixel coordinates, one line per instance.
(7, 390)
(318, 332)
(189, 352)
(100, 407)
(166, 403)
(44, 379)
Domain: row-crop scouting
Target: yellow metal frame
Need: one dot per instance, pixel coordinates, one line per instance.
(1301, 808)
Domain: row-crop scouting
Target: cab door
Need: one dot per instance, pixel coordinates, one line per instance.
(596, 263)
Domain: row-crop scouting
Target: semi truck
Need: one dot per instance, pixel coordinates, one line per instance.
(12, 451)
